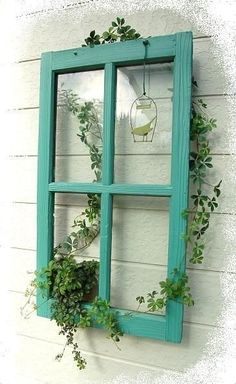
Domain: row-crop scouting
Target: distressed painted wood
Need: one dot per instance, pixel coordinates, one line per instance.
(108, 124)
(45, 199)
(107, 179)
(167, 48)
(162, 47)
(179, 173)
(115, 189)
(105, 246)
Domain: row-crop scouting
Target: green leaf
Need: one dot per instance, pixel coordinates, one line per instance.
(105, 35)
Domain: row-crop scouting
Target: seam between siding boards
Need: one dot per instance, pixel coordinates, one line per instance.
(194, 96)
(76, 206)
(157, 265)
(105, 357)
(117, 154)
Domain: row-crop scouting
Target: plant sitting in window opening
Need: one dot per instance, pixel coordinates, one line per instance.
(70, 281)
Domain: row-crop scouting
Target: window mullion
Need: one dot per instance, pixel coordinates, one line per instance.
(105, 246)
(108, 124)
(107, 179)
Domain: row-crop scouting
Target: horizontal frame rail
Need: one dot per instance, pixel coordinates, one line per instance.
(114, 189)
(161, 48)
(132, 322)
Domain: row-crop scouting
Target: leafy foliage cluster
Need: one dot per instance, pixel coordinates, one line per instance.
(86, 226)
(175, 289)
(70, 282)
(118, 31)
(203, 202)
(205, 199)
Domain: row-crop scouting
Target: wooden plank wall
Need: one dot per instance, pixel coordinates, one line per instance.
(36, 338)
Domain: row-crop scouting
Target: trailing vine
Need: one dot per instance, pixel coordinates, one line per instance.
(203, 202)
(69, 282)
(86, 226)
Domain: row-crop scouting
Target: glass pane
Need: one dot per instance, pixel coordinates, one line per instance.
(76, 233)
(139, 248)
(79, 126)
(144, 124)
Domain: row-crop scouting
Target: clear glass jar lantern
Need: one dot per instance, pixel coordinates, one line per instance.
(143, 118)
(143, 112)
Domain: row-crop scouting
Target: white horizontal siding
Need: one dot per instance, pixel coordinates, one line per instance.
(128, 169)
(216, 246)
(126, 277)
(23, 90)
(21, 128)
(71, 27)
(55, 372)
(133, 349)
(36, 339)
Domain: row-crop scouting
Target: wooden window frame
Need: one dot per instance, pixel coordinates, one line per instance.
(175, 48)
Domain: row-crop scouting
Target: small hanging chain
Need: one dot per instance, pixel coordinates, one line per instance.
(145, 43)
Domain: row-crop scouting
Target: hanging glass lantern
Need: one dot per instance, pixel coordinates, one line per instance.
(143, 112)
(143, 118)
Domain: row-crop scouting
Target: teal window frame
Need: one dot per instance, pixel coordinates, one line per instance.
(175, 48)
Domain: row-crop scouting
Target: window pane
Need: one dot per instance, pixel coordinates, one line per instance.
(79, 126)
(139, 248)
(77, 234)
(144, 124)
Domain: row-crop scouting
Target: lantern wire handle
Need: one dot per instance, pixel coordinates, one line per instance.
(145, 129)
(145, 43)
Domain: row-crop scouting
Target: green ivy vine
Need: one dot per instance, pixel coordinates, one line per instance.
(202, 203)
(71, 283)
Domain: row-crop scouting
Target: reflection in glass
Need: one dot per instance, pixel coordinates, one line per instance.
(77, 225)
(148, 159)
(79, 126)
(140, 236)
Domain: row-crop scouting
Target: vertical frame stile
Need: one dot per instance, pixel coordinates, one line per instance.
(107, 179)
(45, 199)
(179, 173)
